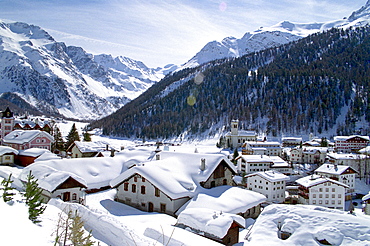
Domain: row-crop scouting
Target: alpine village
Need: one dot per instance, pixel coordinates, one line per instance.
(268, 148)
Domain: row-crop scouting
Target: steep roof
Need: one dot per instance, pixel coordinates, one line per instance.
(49, 178)
(87, 147)
(25, 136)
(176, 174)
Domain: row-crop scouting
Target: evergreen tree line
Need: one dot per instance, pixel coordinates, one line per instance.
(300, 87)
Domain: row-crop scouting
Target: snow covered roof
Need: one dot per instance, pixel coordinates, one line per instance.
(218, 199)
(311, 150)
(242, 133)
(345, 156)
(313, 180)
(365, 151)
(214, 223)
(47, 155)
(33, 152)
(24, 136)
(272, 176)
(176, 174)
(256, 158)
(279, 162)
(97, 172)
(332, 169)
(7, 150)
(86, 147)
(49, 178)
(366, 197)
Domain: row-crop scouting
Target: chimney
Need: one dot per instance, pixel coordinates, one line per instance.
(202, 164)
(157, 157)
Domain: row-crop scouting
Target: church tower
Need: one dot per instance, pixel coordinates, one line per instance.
(234, 127)
(7, 122)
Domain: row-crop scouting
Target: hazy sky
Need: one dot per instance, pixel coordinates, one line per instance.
(158, 32)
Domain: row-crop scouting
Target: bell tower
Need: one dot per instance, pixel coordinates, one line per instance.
(234, 127)
(7, 122)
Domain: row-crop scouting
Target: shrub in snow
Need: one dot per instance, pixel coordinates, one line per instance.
(33, 199)
(329, 236)
(7, 194)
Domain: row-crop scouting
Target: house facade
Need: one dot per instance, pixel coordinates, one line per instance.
(291, 141)
(270, 183)
(26, 139)
(341, 173)
(86, 149)
(355, 161)
(309, 155)
(322, 191)
(7, 155)
(350, 144)
(254, 163)
(170, 180)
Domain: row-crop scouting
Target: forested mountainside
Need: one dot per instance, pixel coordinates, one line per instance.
(318, 84)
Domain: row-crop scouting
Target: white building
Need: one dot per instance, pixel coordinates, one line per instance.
(236, 138)
(254, 163)
(349, 144)
(360, 163)
(341, 173)
(281, 166)
(309, 155)
(7, 155)
(270, 183)
(262, 148)
(322, 191)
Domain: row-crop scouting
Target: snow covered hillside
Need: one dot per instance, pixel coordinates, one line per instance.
(56, 79)
(268, 37)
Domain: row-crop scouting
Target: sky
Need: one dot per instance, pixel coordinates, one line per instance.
(161, 32)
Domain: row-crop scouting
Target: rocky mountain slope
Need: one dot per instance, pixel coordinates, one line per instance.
(66, 81)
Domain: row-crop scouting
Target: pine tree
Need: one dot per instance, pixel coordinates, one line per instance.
(70, 231)
(72, 136)
(7, 194)
(33, 199)
(58, 139)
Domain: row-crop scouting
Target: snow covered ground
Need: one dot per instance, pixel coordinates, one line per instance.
(117, 224)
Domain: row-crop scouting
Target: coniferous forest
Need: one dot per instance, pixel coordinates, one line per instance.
(315, 84)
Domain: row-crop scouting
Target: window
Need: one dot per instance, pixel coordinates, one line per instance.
(143, 189)
(143, 179)
(74, 196)
(224, 182)
(133, 188)
(157, 192)
(163, 207)
(125, 186)
(339, 196)
(326, 202)
(333, 196)
(327, 189)
(326, 195)
(333, 189)
(135, 179)
(320, 189)
(339, 201)
(219, 172)
(320, 195)
(314, 195)
(320, 202)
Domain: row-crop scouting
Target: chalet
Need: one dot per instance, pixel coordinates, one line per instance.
(216, 225)
(236, 138)
(168, 182)
(322, 191)
(86, 149)
(57, 184)
(269, 183)
(26, 139)
(262, 148)
(350, 144)
(7, 155)
(341, 173)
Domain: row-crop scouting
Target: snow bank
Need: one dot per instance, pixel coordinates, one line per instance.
(309, 225)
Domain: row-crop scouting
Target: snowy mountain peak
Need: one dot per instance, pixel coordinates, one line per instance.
(362, 12)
